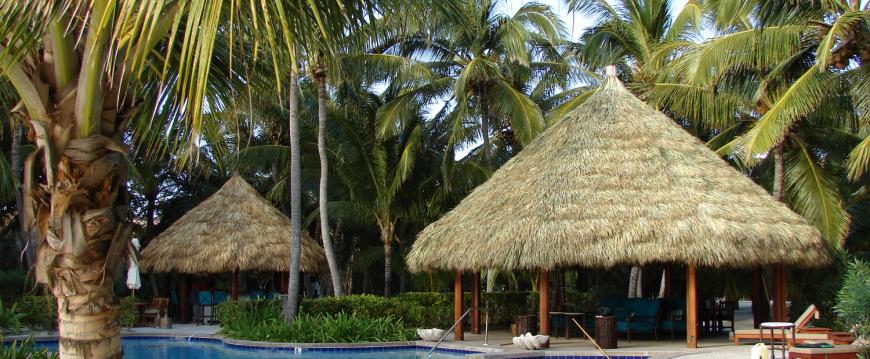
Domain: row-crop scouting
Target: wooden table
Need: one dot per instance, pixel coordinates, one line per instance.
(782, 326)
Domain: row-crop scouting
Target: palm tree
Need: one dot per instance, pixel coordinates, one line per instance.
(322, 97)
(83, 70)
(639, 36)
(764, 90)
(772, 89)
(471, 52)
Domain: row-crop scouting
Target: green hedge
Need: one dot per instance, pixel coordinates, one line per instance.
(263, 321)
(425, 309)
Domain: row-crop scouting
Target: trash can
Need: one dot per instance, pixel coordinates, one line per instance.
(605, 331)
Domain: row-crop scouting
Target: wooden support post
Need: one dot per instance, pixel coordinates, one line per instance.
(780, 312)
(458, 333)
(475, 303)
(691, 308)
(234, 289)
(184, 297)
(544, 303)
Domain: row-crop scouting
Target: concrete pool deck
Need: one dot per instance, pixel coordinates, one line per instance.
(716, 347)
(708, 347)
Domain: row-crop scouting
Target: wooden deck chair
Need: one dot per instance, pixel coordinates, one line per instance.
(803, 332)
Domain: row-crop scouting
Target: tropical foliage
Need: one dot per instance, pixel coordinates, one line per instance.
(364, 124)
(263, 321)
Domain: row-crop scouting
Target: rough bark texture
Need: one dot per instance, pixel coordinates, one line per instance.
(334, 273)
(387, 236)
(292, 304)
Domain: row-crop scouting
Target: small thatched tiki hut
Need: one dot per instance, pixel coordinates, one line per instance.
(235, 229)
(616, 183)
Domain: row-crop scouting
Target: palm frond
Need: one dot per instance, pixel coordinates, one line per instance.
(524, 115)
(800, 99)
(813, 193)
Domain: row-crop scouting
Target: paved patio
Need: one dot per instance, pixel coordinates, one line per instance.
(498, 343)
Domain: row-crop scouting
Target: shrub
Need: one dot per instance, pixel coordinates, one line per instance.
(24, 349)
(12, 284)
(128, 312)
(853, 300)
(263, 321)
(10, 319)
(40, 311)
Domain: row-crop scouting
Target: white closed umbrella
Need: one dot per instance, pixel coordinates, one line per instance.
(133, 280)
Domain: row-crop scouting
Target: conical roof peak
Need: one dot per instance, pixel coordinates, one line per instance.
(616, 182)
(235, 228)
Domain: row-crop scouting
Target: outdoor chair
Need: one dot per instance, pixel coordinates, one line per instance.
(674, 316)
(640, 316)
(157, 308)
(803, 332)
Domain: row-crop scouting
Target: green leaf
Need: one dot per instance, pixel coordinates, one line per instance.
(813, 193)
(800, 99)
(524, 115)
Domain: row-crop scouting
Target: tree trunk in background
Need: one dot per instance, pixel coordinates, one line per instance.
(334, 274)
(632, 281)
(780, 312)
(24, 247)
(292, 305)
(149, 226)
(639, 285)
(487, 159)
(387, 236)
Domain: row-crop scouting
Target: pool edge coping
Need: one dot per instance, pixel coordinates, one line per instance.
(472, 352)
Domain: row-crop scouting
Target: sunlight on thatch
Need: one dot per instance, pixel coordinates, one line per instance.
(616, 182)
(235, 228)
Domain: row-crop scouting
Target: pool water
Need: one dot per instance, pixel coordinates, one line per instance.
(154, 348)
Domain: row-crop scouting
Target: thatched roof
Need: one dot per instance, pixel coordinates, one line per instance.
(616, 182)
(234, 228)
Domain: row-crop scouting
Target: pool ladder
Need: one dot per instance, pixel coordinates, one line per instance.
(429, 354)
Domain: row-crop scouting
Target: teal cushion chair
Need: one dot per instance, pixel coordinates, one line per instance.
(673, 316)
(640, 316)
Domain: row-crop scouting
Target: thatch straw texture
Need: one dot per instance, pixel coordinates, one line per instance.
(616, 183)
(235, 228)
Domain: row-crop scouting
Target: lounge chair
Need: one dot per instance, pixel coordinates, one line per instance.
(803, 332)
(157, 308)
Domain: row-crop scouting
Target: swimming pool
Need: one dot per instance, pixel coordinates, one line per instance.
(196, 348)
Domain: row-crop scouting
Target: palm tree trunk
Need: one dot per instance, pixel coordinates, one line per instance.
(777, 172)
(292, 304)
(387, 236)
(632, 281)
(487, 159)
(149, 227)
(24, 236)
(334, 274)
(484, 126)
(85, 237)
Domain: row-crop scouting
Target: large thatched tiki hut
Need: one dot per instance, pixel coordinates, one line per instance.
(235, 229)
(616, 183)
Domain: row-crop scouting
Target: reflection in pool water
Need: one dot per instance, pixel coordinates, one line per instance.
(154, 348)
